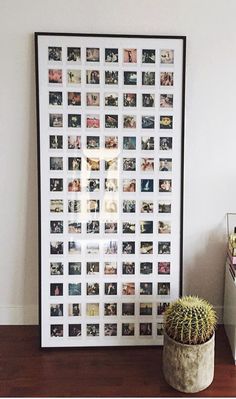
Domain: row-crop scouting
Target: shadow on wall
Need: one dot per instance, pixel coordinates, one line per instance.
(204, 270)
(31, 233)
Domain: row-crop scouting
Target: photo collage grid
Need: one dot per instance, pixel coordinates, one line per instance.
(111, 146)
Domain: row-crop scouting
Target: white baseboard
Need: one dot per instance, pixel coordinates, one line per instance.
(19, 315)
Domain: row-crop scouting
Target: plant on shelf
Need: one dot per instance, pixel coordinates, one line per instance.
(188, 354)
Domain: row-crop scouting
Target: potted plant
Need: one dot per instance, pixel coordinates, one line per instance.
(189, 341)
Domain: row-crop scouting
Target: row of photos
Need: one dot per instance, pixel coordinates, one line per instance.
(95, 174)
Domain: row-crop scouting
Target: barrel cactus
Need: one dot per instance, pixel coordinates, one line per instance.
(190, 320)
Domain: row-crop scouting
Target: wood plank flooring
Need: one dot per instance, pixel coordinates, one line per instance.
(28, 371)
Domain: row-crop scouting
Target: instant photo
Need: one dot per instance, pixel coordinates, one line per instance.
(166, 100)
(147, 143)
(164, 207)
(92, 289)
(111, 77)
(93, 227)
(55, 142)
(74, 227)
(110, 227)
(128, 309)
(129, 164)
(163, 267)
(148, 56)
(74, 163)
(55, 76)
(164, 247)
(163, 288)
(92, 54)
(129, 143)
(73, 54)
(166, 78)
(166, 122)
(93, 77)
(74, 268)
(92, 185)
(55, 98)
(128, 267)
(146, 247)
(128, 329)
(130, 78)
(111, 99)
(110, 267)
(111, 55)
(54, 53)
(93, 142)
(74, 206)
(74, 289)
(56, 289)
(128, 228)
(56, 268)
(110, 330)
(92, 330)
(130, 55)
(74, 309)
(146, 206)
(56, 205)
(74, 330)
(74, 77)
(56, 120)
(56, 330)
(56, 163)
(110, 309)
(110, 288)
(74, 120)
(56, 310)
(148, 78)
(56, 226)
(129, 206)
(111, 142)
(92, 309)
(128, 288)
(93, 99)
(128, 247)
(130, 100)
(146, 268)
(145, 329)
(166, 143)
(56, 247)
(74, 142)
(74, 98)
(148, 100)
(145, 309)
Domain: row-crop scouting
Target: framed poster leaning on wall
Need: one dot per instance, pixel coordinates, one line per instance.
(110, 163)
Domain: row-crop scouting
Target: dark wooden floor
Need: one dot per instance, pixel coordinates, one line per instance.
(27, 371)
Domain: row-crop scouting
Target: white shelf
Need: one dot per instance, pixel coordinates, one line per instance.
(230, 310)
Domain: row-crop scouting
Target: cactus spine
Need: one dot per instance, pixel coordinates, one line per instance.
(190, 320)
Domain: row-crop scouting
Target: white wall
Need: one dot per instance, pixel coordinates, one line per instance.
(210, 188)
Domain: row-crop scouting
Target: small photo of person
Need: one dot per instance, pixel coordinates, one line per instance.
(160, 329)
(73, 76)
(148, 100)
(129, 185)
(167, 56)
(55, 98)
(93, 206)
(74, 98)
(93, 99)
(56, 330)
(129, 206)
(56, 226)
(128, 288)
(74, 268)
(74, 247)
(166, 143)
(111, 248)
(147, 164)
(130, 55)
(145, 329)
(74, 163)
(130, 99)
(129, 143)
(129, 121)
(110, 227)
(110, 268)
(55, 76)
(56, 184)
(146, 227)
(148, 78)
(163, 267)
(74, 185)
(74, 120)
(129, 164)
(56, 120)
(74, 142)
(128, 329)
(110, 288)
(110, 309)
(56, 163)
(145, 288)
(93, 164)
(161, 307)
(111, 142)
(56, 142)
(130, 78)
(164, 227)
(93, 227)
(148, 122)
(111, 99)
(74, 309)
(148, 56)
(92, 185)
(128, 267)
(92, 309)
(92, 289)
(128, 309)
(111, 77)
(111, 164)
(146, 206)
(128, 247)
(163, 288)
(166, 78)
(56, 289)
(56, 247)
(165, 164)
(56, 268)
(111, 206)
(111, 185)
(92, 268)
(165, 185)
(147, 143)
(93, 142)
(93, 77)
(128, 228)
(146, 268)
(92, 330)
(166, 100)
(147, 185)
(56, 310)
(74, 330)
(92, 54)
(146, 247)
(56, 205)
(164, 247)
(92, 248)
(164, 207)
(166, 122)
(73, 54)
(54, 53)
(145, 309)
(74, 227)
(74, 206)
(111, 121)
(111, 55)
(110, 329)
